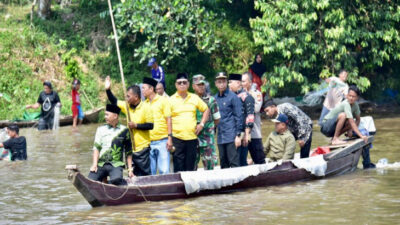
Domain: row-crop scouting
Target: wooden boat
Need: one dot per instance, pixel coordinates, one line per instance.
(341, 159)
(91, 116)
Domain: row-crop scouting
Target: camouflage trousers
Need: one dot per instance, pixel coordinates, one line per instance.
(208, 156)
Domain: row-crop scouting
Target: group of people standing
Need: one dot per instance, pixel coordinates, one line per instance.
(185, 124)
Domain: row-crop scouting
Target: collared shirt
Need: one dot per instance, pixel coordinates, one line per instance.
(230, 124)
(247, 109)
(161, 111)
(351, 111)
(206, 136)
(141, 114)
(299, 123)
(111, 142)
(184, 115)
(158, 75)
(258, 101)
(280, 146)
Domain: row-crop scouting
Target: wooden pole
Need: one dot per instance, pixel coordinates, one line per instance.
(122, 74)
(90, 102)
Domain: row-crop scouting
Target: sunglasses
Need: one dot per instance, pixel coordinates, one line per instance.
(181, 82)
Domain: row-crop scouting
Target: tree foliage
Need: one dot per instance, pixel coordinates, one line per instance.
(166, 29)
(310, 38)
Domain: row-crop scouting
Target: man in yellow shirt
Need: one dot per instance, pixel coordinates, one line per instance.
(161, 135)
(141, 123)
(184, 124)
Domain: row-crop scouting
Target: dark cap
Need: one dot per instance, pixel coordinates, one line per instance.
(13, 127)
(235, 76)
(221, 75)
(48, 84)
(282, 118)
(198, 79)
(150, 81)
(182, 76)
(113, 108)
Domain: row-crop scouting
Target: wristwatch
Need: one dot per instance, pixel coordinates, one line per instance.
(169, 135)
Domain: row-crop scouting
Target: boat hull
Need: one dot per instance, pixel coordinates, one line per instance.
(171, 186)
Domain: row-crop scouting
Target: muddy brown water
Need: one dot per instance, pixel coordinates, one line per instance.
(37, 191)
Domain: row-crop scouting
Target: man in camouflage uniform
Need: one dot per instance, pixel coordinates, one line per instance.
(206, 138)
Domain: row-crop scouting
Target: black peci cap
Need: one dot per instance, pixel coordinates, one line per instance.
(113, 108)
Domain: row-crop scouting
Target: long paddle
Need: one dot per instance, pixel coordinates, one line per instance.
(122, 76)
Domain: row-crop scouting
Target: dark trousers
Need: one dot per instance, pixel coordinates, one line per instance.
(141, 162)
(305, 150)
(228, 155)
(184, 156)
(243, 151)
(107, 169)
(46, 123)
(256, 151)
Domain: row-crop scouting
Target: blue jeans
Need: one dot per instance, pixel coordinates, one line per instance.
(324, 112)
(159, 157)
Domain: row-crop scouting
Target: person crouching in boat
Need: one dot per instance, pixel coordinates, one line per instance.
(77, 113)
(341, 119)
(48, 99)
(280, 144)
(141, 123)
(300, 125)
(111, 141)
(16, 145)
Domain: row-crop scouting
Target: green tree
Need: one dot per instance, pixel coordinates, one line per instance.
(166, 29)
(311, 38)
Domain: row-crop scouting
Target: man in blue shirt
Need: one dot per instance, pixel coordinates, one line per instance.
(157, 72)
(230, 125)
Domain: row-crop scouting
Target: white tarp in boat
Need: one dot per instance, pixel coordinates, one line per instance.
(316, 165)
(196, 181)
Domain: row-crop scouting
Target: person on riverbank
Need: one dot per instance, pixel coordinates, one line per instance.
(337, 92)
(235, 85)
(299, 123)
(160, 90)
(255, 145)
(280, 144)
(161, 134)
(16, 145)
(206, 148)
(111, 143)
(184, 124)
(141, 123)
(157, 72)
(257, 70)
(341, 119)
(77, 113)
(230, 125)
(48, 100)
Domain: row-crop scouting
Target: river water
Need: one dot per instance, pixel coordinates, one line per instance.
(37, 191)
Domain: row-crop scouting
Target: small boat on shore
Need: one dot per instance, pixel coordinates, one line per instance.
(91, 116)
(342, 159)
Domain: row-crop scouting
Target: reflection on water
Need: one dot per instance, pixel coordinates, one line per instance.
(37, 191)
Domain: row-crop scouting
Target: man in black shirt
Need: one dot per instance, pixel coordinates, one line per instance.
(48, 99)
(16, 144)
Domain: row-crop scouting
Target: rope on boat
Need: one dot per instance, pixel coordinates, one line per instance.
(123, 194)
(114, 199)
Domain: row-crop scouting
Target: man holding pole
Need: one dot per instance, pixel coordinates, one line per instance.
(140, 124)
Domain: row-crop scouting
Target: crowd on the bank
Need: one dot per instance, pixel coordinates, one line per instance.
(184, 125)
